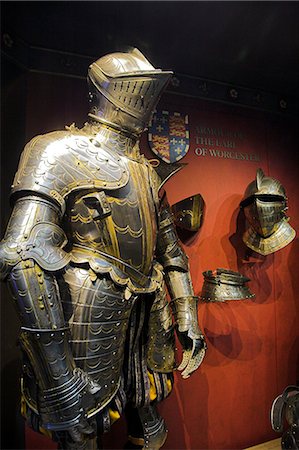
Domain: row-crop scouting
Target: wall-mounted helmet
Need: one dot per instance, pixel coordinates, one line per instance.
(265, 205)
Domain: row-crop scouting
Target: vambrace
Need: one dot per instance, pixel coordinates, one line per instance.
(173, 258)
(183, 302)
(30, 251)
(169, 251)
(185, 316)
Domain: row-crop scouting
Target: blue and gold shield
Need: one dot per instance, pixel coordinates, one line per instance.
(168, 135)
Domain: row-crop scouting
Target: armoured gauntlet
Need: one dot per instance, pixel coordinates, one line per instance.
(30, 252)
(189, 334)
(183, 303)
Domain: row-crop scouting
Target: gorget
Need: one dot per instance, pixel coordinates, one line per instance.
(221, 285)
(110, 139)
(265, 246)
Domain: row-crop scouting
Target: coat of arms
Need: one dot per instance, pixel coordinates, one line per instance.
(168, 135)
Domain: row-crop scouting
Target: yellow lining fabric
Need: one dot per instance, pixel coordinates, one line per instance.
(153, 391)
(114, 415)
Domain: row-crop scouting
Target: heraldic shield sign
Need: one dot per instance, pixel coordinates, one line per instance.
(168, 135)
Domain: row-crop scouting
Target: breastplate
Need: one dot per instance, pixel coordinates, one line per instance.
(119, 224)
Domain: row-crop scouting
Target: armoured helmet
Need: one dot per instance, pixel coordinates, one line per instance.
(286, 406)
(263, 185)
(124, 90)
(265, 205)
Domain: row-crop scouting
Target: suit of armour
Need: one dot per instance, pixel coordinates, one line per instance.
(88, 252)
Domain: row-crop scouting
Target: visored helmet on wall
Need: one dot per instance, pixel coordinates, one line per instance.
(265, 205)
(125, 89)
(263, 185)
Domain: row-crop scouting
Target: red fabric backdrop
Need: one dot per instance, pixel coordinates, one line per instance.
(252, 345)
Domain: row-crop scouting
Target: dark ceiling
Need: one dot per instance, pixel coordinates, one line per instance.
(254, 44)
